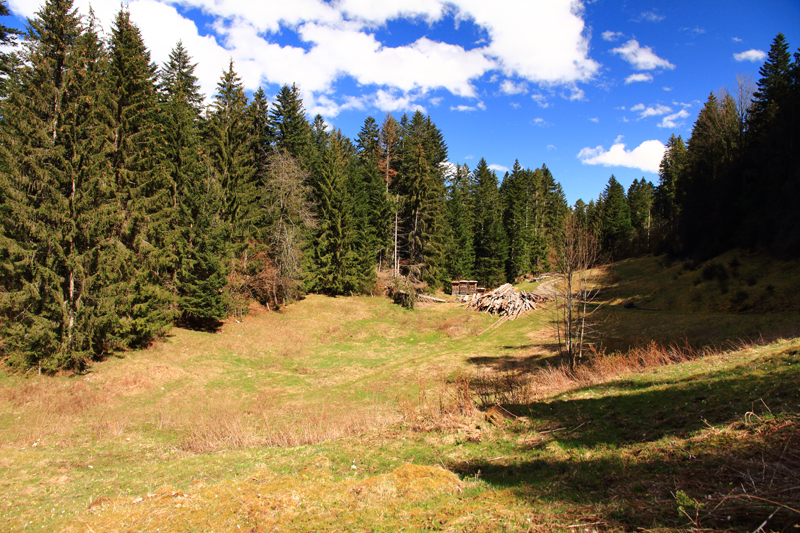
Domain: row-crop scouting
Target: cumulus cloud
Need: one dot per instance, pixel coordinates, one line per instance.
(537, 42)
(541, 100)
(499, 168)
(642, 76)
(611, 35)
(595, 120)
(641, 57)
(750, 55)
(651, 111)
(675, 120)
(646, 157)
(509, 87)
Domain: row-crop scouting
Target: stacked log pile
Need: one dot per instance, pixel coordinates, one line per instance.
(507, 302)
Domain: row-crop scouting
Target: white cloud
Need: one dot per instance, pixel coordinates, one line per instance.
(595, 120)
(737, 40)
(509, 87)
(646, 157)
(751, 55)
(642, 76)
(499, 168)
(551, 147)
(668, 89)
(540, 42)
(641, 57)
(675, 120)
(480, 106)
(612, 35)
(539, 122)
(575, 93)
(645, 111)
(541, 100)
(650, 16)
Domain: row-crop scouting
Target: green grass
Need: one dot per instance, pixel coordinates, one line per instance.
(260, 426)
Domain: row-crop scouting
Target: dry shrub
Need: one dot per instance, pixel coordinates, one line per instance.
(602, 367)
(440, 403)
(56, 397)
(231, 429)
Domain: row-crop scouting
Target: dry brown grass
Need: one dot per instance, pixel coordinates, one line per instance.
(264, 501)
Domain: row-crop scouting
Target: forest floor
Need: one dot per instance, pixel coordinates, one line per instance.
(353, 414)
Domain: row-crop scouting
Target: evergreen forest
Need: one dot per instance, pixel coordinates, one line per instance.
(130, 202)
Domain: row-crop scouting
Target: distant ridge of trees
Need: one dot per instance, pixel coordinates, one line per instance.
(127, 206)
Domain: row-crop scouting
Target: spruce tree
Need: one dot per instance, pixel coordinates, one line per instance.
(334, 269)
(57, 191)
(460, 257)
(142, 183)
(289, 126)
(616, 218)
(490, 246)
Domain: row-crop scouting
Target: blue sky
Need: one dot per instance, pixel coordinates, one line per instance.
(588, 88)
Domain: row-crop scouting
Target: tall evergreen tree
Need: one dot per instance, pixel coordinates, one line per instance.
(142, 182)
(228, 141)
(616, 218)
(460, 257)
(57, 246)
(640, 204)
(672, 166)
(490, 249)
(289, 125)
(335, 269)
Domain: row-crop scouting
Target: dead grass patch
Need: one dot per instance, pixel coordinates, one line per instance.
(264, 502)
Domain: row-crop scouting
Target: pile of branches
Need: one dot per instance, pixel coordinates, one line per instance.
(507, 302)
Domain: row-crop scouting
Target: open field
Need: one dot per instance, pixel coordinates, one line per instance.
(355, 414)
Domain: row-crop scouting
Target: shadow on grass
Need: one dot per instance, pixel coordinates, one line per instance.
(729, 440)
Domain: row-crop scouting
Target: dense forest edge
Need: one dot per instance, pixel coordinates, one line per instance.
(129, 206)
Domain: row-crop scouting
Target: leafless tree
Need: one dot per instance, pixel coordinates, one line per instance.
(576, 253)
(291, 216)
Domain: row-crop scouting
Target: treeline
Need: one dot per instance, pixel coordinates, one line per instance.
(734, 183)
(127, 205)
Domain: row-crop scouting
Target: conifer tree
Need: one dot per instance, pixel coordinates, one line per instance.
(666, 201)
(227, 137)
(460, 257)
(490, 250)
(142, 183)
(289, 126)
(58, 213)
(640, 203)
(616, 218)
(335, 268)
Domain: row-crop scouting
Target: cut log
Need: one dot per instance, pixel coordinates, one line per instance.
(507, 302)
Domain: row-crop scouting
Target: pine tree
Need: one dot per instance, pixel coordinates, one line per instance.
(289, 125)
(616, 218)
(227, 138)
(142, 183)
(667, 202)
(57, 191)
(9, 62)
(460, 257)
(490, 249)
(640, 204)
(335, 268)
(177, 76)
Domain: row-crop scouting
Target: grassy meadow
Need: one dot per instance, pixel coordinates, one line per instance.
(354, 414)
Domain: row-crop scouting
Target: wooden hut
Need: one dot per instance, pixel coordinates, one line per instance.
(464, 287)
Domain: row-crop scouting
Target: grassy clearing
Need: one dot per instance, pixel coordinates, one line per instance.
(355, 414)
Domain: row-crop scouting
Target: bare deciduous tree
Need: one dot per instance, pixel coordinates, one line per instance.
(576, 253)
(291, 216)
